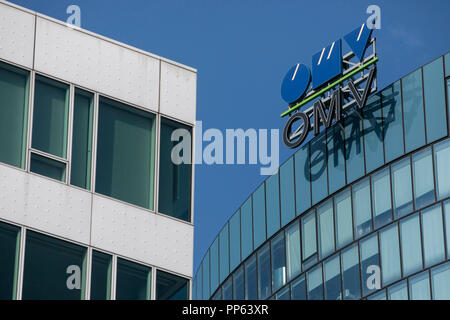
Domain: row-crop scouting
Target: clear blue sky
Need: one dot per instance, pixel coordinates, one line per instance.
(242, 49)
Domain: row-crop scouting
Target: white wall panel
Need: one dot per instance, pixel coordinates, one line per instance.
(16, 35)
(43, 204)
(178, 92)
(142, 235)
(97, 64)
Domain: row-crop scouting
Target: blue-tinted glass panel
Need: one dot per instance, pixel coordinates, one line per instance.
(206, 285)
(298, 291)
(413, 110)
(442, 167)
(287, 193)
(447, 64)
(309, 244)
(434, 92)
(264, 274)
(433, 235)
(217, 295)
(390, 254)
(315, 285)
(362, 210)
(273, 205)
(293, 258)
(381, 197)
(200, 282)
(302, 180)
(224, 262)
(419, 286)
(251, 281)
(373, 133)
(336, 158)
(246, 229)
(440, 282)
(370, 264)
(318, 159)
(214, 264)
(447, 224)
(378, 296)
(402, 189)
(344, 223)
(423, 178)
(227, 289)
(392, 121)
(259, 216)
(278, 262)
(284, 294)
(333, 279)
(326, 228)
(9, 260)
(354, 151)
(398, 291)
(411, 245)
(238, 284)
(235, 240)
(194, 288)
(350, 272)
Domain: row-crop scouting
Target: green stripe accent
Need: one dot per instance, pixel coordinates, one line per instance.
(318, 93)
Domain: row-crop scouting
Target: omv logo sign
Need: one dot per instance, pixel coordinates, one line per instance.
(329, 69)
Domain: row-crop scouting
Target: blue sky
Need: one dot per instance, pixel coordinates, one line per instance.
(242, 50)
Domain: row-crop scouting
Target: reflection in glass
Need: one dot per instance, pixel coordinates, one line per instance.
(361, 208)
(326, 228)
(235, 240)
(264, 281)
(344, 223)
(251, 282)
(302, 179)
(172, 287)
(419, 286)
(402, 189)
(299, 288)
(227, 289)
(350, 270)
(411, 244)
(433, 235)
(392, 121)
(278, 262)
(287, 192)
(398, 291)
(390, 254)
(381, 197)
(284, 294)
(423, 178)
(440, 281)
(309, 245)
(315, 286)
(333, 279)
(370, 264)
(246, 229)
(293, 250)
(224, 253)
(238, 284)
(272, 205)
(442, 167)
(259, 216)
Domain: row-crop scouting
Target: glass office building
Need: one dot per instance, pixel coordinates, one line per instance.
(91, 204)
(358, 212)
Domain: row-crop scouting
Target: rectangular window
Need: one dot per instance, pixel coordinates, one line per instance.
(350, 272)
(264, 275)
(398, 291)
(413, 110)
(373, 133)
(402, 189)
(344, 223)
(381, 197)
(83, 112)
(224, 253)
(251, 281)
(315, 283)
(101, 276)
(50, 116)
(411, 244)
(392, 121)
(14, 91)
(48, 262)
(214, 256)
(423, 178)
(434, 92)
(370, 263)
(175, 178)
(362, 208)
(287, 192)
(447, 224)
(390, 254)
(235, 240)
(326, 228)
(333, 279)
(246, 229)
(278, 262)
(309, 244)
(273, 205)
(125, 170)
(378, 296)
(433, 235)
(132, 281)
(216, 296)
(171, 287)
(298, 291)
(354, 151)
(206, 285)
(336, 158)
(9, 260)
(48, 167)
(238, 284)
(259, 216)
(440, 282)
(318, 159)
(293, 250)
(419, 286)
(302, 179)
(284, 294)
(227, 289)
(442, 167)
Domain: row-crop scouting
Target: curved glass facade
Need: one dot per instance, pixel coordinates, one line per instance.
(360, 211)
